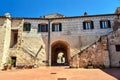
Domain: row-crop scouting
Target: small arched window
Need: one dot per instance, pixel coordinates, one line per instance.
(88, 25)
(26, 27)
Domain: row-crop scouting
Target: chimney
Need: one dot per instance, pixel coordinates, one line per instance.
(117, 10)
(85, 14)
(7, 15)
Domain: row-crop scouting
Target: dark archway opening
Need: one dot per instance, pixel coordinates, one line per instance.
(60, 54)
(14, 38)
(13, 58)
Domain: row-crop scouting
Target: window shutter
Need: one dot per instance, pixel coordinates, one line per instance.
(101, 24)
(46, 27)
(60, 26)
(84, 27)
(29, 27)
(109, 24)
(24, 27)
(53, 27)
(92, 25)
(39, 30)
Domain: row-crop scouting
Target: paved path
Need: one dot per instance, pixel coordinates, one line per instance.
(60, 73)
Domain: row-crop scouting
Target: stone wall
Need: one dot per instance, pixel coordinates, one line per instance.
(74, 26)
(96, 55)
(5, 37)
(114, 39)
(72, 33)
(76, 42)
(31, 44)
(32, 51)
(102, 52)
(2, 35)
(117, 10)
(56, 15)
(32, 47)
(29, 48)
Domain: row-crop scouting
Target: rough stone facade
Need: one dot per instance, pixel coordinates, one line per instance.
(80, 46)
(96, 55)
(113, 41)
(5, 29)
(56, 15)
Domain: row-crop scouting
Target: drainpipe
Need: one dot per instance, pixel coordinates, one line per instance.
(49, 53)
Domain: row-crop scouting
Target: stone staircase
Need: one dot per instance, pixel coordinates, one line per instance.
(96, 54)
(99, 53)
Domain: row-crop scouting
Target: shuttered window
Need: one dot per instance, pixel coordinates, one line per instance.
(88, 25)
(39, 29)
(105, 24)
(27, 27)
(56, 27)
(42, 27)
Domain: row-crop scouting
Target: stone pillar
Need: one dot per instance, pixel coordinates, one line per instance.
(20, 31)
(7, 39)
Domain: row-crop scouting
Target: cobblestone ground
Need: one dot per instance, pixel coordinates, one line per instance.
(60, 73)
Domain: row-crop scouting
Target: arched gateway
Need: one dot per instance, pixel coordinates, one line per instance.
(60, 53)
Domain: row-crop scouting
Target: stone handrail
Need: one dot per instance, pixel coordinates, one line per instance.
(86, 48)
(94, 43)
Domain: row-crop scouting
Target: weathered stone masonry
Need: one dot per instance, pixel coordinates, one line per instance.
(80, 46)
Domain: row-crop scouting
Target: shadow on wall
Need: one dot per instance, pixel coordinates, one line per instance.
(115, 72)
(116, 25)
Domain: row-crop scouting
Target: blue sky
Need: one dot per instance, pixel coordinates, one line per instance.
(36, 8)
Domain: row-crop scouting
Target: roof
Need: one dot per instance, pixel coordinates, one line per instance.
(2, 17)
(54, 14)
(99, 15)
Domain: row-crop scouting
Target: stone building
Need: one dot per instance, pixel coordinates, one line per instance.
(57, 40)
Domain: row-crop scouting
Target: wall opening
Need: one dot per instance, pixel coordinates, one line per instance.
(117, 48)
(14, 38)
(60, 53)
(13, 59)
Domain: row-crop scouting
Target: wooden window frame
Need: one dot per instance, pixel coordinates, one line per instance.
(59, 26)
(27, 27)
(108, 24)
(40, 27)
(90, 23)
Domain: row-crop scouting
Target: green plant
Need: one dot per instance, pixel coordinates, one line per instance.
(11, 62)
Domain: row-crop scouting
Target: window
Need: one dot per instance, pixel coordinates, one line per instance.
(105, 24)
(26, 27)
(88, 25)
(117, 47)
(42, 27)
(56, 27)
